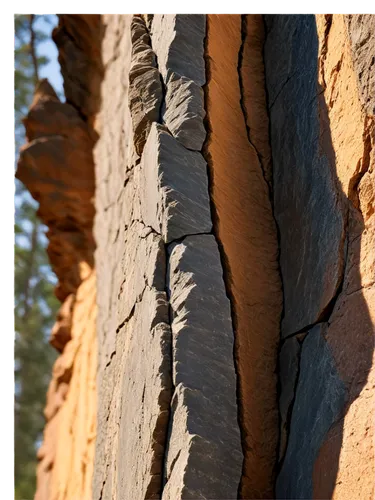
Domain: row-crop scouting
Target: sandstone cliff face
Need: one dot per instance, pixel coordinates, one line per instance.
(235, 263)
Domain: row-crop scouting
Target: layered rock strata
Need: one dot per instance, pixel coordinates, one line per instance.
(56, 165)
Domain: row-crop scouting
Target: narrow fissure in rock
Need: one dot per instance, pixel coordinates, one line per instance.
(223, 259)
(150, 89)
(240, 192)
(193, 278)
(164, 471)
(289, 358)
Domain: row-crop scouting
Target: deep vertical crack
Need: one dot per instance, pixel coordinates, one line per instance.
(324, 50)
(146, 95)
(223, 258)
(156, 487)
(244, 35)
(163, 84)
(172, 389)
(271, 191)
(300, 338)
(242, 97)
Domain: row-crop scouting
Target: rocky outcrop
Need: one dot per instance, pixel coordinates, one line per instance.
(234, 229)
(59, 137)
(57, 167)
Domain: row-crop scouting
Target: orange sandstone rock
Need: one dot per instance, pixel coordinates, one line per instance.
(345, 466)
(247, 233)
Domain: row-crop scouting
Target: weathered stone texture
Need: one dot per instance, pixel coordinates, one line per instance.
(57, 166)
(210, 251)
(319, 400)
(289, 365)
(306, 194)
(174, 188)
(198, 465)
(178, 41)
(253, 88)
(143, 74)
(114, 201)
(349, 446)
(247, 232)
(73, 459)
(78, 38)
(323, 198)
(185, 111)
(145, 393)
(151, 190)
(361, 32)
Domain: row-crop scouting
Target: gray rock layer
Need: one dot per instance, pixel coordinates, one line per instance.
(178, 41)
(198, 464)
(174, 186)
(167, 412)
(145, 88)
(320, 399)
(306, 193)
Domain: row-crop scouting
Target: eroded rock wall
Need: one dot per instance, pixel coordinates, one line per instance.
(57, 167)
(234, 229)
(321, 102)
(167, 421)
(234, 223)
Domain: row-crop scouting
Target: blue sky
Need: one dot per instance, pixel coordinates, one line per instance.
(48, 48)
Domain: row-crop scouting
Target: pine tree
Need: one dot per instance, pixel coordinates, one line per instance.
(35, 303)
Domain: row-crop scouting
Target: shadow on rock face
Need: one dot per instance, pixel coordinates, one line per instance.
(326, 231)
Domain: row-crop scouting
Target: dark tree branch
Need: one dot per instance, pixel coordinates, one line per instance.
(33, 48)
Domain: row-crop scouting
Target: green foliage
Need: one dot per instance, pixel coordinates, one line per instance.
(35, 303)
